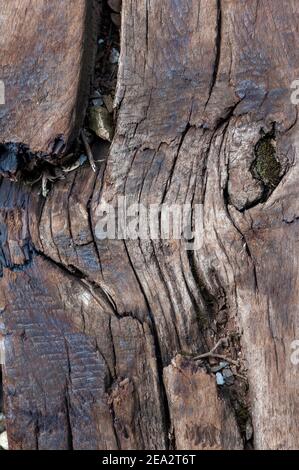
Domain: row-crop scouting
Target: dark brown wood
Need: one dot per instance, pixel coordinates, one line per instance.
(101, 335)
(42, 67)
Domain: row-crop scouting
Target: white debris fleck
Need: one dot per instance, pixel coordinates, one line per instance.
(86, 297)
(4, 441)
(219, 379)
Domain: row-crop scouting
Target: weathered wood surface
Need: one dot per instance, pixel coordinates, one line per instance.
(200, 418)
(106, 321)
(41, 67)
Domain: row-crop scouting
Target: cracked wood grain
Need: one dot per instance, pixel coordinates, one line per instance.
(198, 81)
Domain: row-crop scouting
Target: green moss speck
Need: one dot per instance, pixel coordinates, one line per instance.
(202, 320)
(265, 166)
(242, 416)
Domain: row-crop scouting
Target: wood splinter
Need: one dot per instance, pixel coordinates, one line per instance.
(88, 151)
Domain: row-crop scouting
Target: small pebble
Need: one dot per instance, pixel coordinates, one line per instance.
(219, 367)
(228, 376)
(97, 102)
(114, 56)
(100, 123)
(227, 373)
(97, 99)
(3, 441)
(219, 379)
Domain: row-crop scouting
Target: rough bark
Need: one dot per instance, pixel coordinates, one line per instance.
(101, 335)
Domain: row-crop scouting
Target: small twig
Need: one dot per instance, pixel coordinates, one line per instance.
(88, 151)
(217, 356)
(45, 190)
(219, 343)
(35, 181)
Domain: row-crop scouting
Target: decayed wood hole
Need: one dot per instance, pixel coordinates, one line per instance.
(101, 336)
